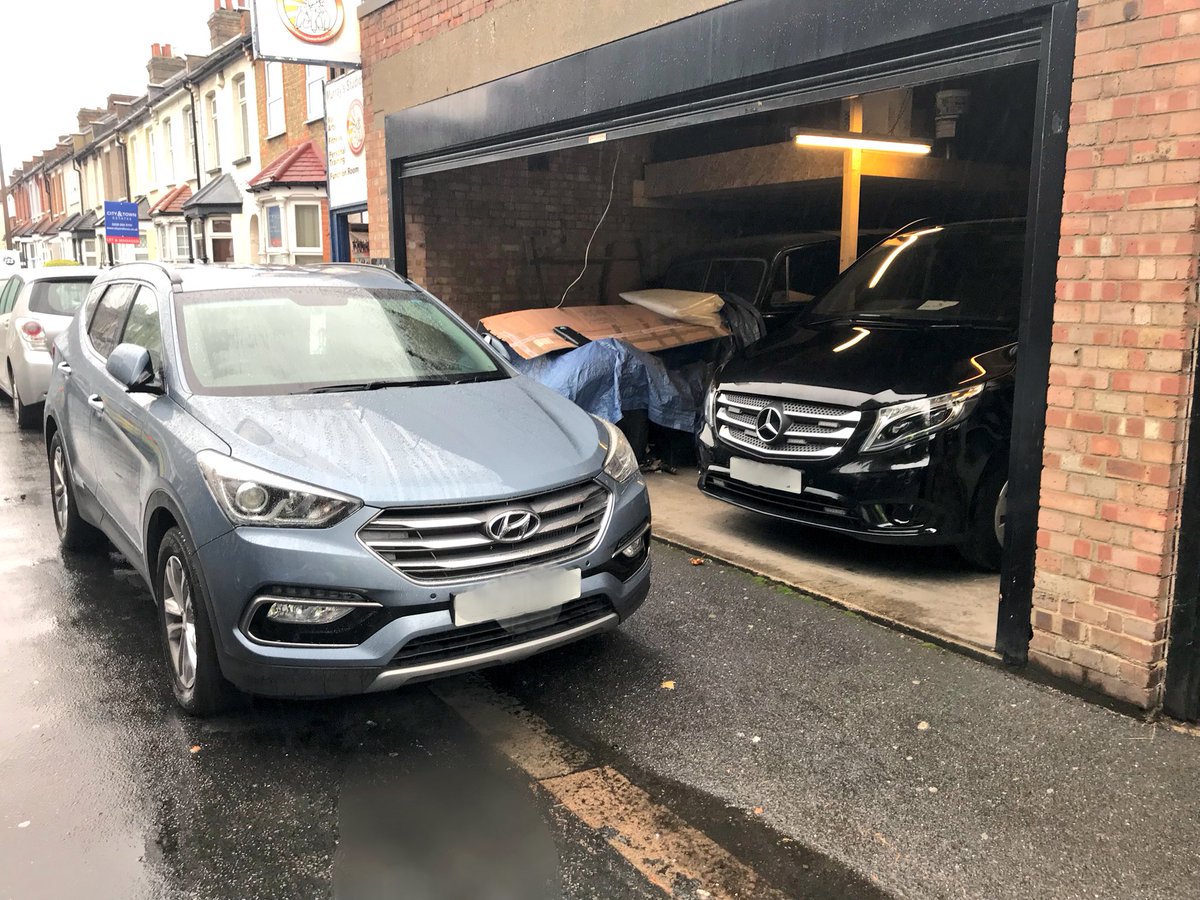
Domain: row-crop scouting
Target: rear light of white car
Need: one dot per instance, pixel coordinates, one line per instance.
(32, 333)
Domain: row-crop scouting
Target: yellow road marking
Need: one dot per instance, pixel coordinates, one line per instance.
(658, 843)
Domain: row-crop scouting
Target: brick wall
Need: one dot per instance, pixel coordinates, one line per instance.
(470, 232)
(1125, 317)
(387, 31)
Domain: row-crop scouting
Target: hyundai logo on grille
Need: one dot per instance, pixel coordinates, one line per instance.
(769, 425)
(513, 526)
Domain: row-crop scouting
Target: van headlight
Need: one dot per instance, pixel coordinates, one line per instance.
(249, 495)
(906, 422)
(710, 405)
(620, 464)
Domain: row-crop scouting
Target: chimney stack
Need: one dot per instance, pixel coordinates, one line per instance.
(163, 65)
(225, 23)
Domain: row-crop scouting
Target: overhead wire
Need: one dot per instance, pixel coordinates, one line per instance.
(612, 190)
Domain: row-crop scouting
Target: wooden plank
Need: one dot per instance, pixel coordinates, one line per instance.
(781, 165)
(852, 166)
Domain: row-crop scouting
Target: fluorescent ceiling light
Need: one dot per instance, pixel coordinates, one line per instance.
(850, 141)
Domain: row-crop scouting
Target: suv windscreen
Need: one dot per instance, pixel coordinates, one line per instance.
(951, 274)
(289, 340)
(58, 298)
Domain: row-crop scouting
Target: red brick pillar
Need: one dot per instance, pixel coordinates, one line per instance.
(1123, 355)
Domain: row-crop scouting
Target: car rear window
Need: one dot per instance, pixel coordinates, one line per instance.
(58, 297)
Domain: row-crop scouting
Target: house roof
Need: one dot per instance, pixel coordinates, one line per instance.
(300, 165)
(171, 204)
(70, 222)
(47, 225)
(222, 195)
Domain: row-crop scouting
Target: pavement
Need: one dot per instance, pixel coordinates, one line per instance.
(930, 589)
(734, 739)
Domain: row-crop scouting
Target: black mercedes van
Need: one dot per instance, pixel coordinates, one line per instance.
(884, 411)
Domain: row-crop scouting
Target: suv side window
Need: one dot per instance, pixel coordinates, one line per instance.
(109, 318)
(143, 328)
(803, 274)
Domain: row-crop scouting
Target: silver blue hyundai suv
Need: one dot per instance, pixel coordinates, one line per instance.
(330, 484)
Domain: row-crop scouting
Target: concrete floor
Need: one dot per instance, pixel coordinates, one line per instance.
(929, 589)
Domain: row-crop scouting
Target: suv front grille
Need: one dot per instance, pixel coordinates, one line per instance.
(445, 544)
(810, 430)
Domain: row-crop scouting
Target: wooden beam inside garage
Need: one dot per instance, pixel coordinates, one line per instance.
(852, 172)
(719, 175)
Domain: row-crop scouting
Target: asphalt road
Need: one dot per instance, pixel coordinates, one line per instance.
(733, 739)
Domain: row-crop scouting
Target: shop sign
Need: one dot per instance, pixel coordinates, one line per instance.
(346, 141)
(323, 32)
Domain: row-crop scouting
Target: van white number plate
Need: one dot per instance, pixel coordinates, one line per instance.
(518, 595)
(777, 478)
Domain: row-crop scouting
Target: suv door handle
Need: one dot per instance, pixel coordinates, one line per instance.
(65, 368)
(96, 403)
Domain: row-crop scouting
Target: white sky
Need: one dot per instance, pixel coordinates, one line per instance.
(60, 55)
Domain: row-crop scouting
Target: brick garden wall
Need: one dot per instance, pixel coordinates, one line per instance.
(1125, 320)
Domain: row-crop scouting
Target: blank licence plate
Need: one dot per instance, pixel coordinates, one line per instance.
(518, 595)
(777, 478)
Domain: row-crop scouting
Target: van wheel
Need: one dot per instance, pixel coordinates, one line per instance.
(26, 416)
(73, 532)
(189, 642)
(983, 545)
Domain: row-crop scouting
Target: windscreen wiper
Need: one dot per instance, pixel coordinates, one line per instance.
(375, 385)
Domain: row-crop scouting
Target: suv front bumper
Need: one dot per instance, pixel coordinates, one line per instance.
(246, 563)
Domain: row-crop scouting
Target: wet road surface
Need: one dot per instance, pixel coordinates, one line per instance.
(733, 739)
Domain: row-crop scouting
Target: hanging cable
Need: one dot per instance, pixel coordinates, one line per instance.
(612, 189)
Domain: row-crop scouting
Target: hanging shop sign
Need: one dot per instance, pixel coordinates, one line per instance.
(322, 32)
(346, 141)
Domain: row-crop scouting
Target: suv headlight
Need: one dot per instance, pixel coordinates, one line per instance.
(621, 462)
(905, 422)
(249, 495)
(710, 405)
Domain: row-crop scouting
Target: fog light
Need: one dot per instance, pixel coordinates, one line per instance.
(306, 613)
(636, 546)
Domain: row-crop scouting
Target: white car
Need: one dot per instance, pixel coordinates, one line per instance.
(35, 306)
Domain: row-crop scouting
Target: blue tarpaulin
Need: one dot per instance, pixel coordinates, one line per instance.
(609, 378)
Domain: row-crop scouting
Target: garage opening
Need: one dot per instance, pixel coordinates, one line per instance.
(752, 210)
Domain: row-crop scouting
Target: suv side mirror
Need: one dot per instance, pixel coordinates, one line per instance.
(130, 365)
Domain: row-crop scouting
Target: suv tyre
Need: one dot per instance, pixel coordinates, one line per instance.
(189, 642)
